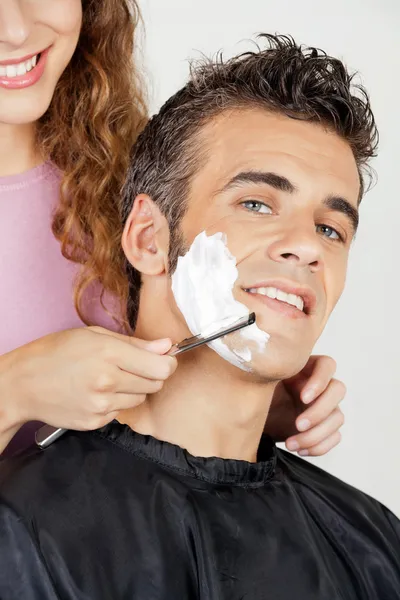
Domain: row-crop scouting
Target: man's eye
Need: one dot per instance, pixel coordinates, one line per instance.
(257, 206)
(329, 232)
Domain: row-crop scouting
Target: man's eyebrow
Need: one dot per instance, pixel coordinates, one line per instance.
(282, 184)
(339, 204)
(274, 180)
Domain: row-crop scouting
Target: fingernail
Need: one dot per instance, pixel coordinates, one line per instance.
(303, 453)
(292, 445)
(159, 345)
(308, 396)
(303, 425)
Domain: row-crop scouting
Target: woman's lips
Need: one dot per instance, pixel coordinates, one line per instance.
(27, 79)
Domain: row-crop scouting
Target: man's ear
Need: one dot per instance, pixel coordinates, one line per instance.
(145, 239)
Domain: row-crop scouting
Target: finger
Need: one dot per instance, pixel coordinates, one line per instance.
(126, 401)
(324, 447)
(323, 368)
(122, 382)
(137, 361)
(126, 383)
(160, 346)
(317, 434)
(116, 404)
(323, 406)
(97, 421)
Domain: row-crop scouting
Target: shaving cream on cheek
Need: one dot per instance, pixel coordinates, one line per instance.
(202, 286)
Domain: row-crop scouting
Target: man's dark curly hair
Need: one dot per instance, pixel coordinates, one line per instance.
(296, 81)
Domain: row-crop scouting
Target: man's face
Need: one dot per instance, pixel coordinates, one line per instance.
(285, 193)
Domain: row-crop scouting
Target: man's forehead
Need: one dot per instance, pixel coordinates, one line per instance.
(244, 140)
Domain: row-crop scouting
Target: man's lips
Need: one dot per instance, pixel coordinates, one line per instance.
(284, 296)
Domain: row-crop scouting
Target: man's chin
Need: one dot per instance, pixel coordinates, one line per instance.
(277, 365)
(279, 358)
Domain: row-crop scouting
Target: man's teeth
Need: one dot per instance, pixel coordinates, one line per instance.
(278, 294)
(19, 69)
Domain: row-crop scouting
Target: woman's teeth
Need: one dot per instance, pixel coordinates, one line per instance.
(277, 294)
(19, 69)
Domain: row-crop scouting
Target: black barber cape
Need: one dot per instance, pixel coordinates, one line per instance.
(114, 515)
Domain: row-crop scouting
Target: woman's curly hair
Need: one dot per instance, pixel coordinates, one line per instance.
(96, 113)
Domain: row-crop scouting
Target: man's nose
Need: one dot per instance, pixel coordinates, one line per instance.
(299, 245)
(14, 24)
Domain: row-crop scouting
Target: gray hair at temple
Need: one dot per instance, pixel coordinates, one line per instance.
(283, 77)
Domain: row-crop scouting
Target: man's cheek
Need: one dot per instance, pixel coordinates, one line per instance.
(332, 300)
(224, 224)
(339, 284)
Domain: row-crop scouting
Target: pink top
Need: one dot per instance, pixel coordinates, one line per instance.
(36, 288)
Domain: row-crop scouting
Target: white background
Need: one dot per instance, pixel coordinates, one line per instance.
(364, 332)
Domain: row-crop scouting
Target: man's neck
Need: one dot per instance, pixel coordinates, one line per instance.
(18, 152)
(206, 407)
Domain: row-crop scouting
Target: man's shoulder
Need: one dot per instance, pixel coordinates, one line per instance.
(332, 496)
(310, 479)
(29, 479)
(78, 472)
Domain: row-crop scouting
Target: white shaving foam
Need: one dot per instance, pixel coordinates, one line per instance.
(202, 286)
